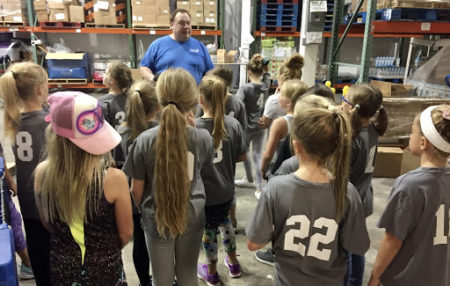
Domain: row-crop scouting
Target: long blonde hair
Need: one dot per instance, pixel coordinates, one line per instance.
(141, 103)
(176, 90)
(326, 136)
(214, 92)
(17, 86)
(72, 180)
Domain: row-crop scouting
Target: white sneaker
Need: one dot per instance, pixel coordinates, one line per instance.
(257, 194)
(244, 183)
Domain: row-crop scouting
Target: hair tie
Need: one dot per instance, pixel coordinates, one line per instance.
(357, 106)
(138, 91)
(172, 102)
(430, 132)
(446, 114)
(381, 107)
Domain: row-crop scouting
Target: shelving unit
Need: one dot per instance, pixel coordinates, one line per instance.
(33, 29)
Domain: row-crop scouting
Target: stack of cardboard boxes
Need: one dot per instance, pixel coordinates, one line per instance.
(59, 11)
(203, 13)
(105, 12)
(12, 11)
(150, 13)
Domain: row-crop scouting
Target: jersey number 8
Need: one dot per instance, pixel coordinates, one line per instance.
(316, 238)
(24, 141)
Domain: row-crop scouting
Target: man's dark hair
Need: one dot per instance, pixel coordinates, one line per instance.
(174, 13)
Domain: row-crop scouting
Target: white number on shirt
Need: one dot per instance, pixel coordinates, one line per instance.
(371, 162)
(24, 141)
(190, 162)
(218, 154)
(440, 237)
(231, 114)
(120, 117)
(303, 232)
(260, 101)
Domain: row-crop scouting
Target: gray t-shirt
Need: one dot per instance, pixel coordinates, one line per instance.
(234, 107)
(219, 180)
(418, 214)
(310, 246)
(364, 151)
(140, 165)
(288, 166)
(28, 150)
(254, 96)
(113, 108)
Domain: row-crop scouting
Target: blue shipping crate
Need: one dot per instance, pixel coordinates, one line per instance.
(8, 276)
(68, 65)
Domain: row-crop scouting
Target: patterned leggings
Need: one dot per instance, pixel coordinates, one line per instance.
(218, 219)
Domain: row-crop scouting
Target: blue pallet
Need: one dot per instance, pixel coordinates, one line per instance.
(286, 17)
(408, 14)
(284, 23)
(279, 8)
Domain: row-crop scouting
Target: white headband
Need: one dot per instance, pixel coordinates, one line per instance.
(430, 132)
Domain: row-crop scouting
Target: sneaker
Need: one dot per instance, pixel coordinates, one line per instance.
(244, 183)
(266, 257)
(233, 270)
(257, 194)
(26, 272)
(210, 279)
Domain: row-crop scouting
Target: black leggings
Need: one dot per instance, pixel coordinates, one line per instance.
(140, 253)
(38, 243)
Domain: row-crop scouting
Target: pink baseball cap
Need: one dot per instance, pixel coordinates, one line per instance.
(78, 117)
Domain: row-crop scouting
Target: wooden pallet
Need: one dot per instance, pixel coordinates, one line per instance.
(59, 25)
(11, 24)
(278, 29)
(67, 80)
(150, 27)
(203, 27)
(112, 26)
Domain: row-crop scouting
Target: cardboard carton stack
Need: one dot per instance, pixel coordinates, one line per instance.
(150, 13)
(105, 12)
(12, 11)
(224, 57)
(59, 11)
(42, 12)
(203, 13)
(421, 4)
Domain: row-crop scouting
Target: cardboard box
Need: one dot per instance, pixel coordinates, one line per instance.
(391, 89)
(163, 20)
(67, 65)
(164, 11)
(184, 5)
(196, 6)
(40, 5)
(231, 56)
(392, 162)
(42, 15)
(14, 17)
(197, 18)
(210, 18)
(76, 14)
(143, 19)
(221, 56)
(105, 17)
(143, 3)
(56, 5)
(59, 15)
(210, 5)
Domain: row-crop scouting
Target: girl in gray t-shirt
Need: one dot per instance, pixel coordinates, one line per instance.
(363, 102)
(164, 164)
(230, 147)
(24, 89)
(313, 216)
(415, 248)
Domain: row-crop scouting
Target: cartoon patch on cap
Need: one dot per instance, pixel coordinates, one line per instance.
(90, 121)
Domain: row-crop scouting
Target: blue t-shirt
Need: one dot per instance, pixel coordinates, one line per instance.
(165, 53)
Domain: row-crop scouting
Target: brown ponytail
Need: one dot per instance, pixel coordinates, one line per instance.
(121, 73)
(142, 103)
(326, 136)
(292, 68)
(176, 90)
(214, 92)
(17, 86)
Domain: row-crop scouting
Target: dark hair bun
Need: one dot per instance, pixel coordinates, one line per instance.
(296, 61)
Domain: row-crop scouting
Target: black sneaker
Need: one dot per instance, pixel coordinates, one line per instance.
(266, 257)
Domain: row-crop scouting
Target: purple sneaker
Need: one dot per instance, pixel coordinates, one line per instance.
(210, 279)
(233, 270)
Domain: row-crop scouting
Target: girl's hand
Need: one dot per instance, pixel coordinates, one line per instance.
(191, 118)
(374, 281)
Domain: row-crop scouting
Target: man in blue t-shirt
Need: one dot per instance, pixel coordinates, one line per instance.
(177, 50)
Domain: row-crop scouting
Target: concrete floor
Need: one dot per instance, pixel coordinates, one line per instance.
(253, 272)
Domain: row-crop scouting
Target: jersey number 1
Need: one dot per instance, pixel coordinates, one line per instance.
(440, 237)
(303, 232)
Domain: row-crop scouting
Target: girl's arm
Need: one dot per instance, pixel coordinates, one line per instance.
(137, 190)
(117, 192)
(241, 158)
(264, 122)
(389, 247)
(252, 246)
(277, 132)
(9, 180)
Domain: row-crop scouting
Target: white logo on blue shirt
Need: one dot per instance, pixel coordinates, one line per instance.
(195, 50)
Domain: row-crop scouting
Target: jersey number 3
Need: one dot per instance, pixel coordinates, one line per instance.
(24, 141)
(303, 232)
(440, 237)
